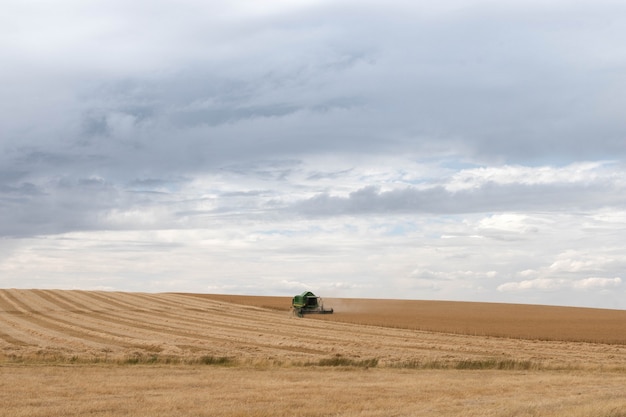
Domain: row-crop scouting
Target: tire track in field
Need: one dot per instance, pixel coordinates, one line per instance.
(112, 337)
(54, 328)
(166, 303)
(398, 343)
(154, 311)
(133, 327)
(277, 325)
(196, 311)
(299, 334)
(70, 329)
(15, 317)
(154, 315)
(9, 339)
(197, 318)
(193, 334)
(53, 297)
(183, 325)
(12, 341)
(225, 334)
(154, 318)
(300, 344)
(132, 322)
(220, 341)
(38, 333)
(11, 316)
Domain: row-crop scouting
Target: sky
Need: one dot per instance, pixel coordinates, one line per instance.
(432, 150)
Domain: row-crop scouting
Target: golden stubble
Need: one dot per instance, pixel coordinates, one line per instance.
(140, 391)
(75, 353)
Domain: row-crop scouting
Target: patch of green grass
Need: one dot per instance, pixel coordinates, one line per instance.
(504, 364)
(213, 360)
(140, 359)
(417, 364)
(343, 361)
(146, 358)
(470, 364)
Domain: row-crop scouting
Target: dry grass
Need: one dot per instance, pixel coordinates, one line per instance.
(112, 354)
(154, 391)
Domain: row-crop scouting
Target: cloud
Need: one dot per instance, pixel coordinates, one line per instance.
(580, 173)
(544, 284)
(453, 82)
(338, 144)
(488, 196)
(556, 284)
(595, 283)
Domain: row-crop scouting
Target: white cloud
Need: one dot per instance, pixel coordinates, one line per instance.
(544, 284)
(294, 285)
(510, 222)
(571, 265)
(594, 283)
(555, 284)
(583, 173)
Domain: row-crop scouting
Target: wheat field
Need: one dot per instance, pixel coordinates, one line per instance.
(75, 353)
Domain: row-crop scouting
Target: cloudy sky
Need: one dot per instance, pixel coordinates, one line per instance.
(447, 150)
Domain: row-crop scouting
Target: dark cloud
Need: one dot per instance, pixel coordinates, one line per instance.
(488, 198)
(328, 175)
(278, 169)
(59, 206)
(521, 83)
(21, 189)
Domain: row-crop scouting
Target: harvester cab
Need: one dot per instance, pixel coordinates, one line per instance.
(308, 303)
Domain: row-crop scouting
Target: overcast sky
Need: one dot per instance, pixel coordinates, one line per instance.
(440, 150)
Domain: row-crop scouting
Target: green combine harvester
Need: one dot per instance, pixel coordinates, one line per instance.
(308, 303)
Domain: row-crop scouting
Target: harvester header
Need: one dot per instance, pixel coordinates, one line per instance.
(308, 303)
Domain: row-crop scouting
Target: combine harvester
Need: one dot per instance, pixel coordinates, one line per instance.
(308, 303)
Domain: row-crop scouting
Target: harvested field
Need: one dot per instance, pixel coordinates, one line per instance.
(164, 391)
(92, 326)
(114, 354)
(520, 321)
